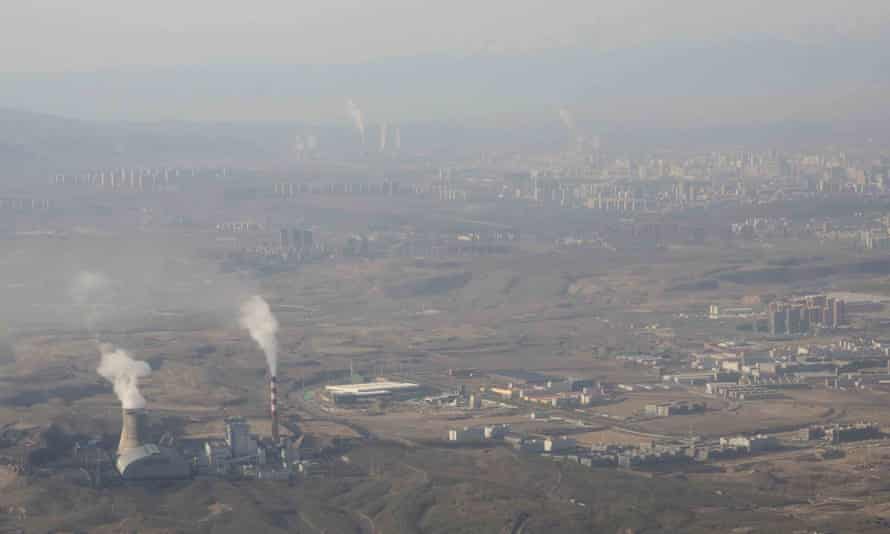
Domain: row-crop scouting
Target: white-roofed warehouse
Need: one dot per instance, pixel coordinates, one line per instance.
(368, 390)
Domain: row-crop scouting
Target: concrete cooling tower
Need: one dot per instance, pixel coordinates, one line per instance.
(132, 430)
(137, 460)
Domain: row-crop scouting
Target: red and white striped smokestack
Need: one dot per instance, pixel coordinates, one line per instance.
(273, 407)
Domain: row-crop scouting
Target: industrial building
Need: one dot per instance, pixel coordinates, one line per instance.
(570, 384)
(739, 392)
(352, 393)
(519, 376)
(841, 433)
(507, 393)
(475, 434)
(667, 409)
(150, 462)
(445, 399)
(244, 454)
(560, 444)
(555, 400)
(752, 444)
(496, 431)
(137, 460)
(238, 438)
(466, 434)
(696, 378)
(652, 456)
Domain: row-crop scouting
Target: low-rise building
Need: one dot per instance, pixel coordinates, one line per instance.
(737, 392)
(506, 393)
(217, 454)
(496, 431)
(652, 457)
(695, 378)
(854, 432)
(559, 444)
(667, 409)
(466, 434)
(751, 444)
(841, 433)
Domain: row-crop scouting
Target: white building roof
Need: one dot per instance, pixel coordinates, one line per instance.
(370, 387)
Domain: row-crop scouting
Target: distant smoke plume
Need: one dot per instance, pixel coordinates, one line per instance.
(119, 368)
(383, 133)
(567, 119)
(92, 293)
(257, 318)
(357, 118)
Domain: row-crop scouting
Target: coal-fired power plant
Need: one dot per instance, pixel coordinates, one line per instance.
(144, 453)
(131, 430)
(273, 406)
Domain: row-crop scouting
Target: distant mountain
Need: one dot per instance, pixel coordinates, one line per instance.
(691, 82)
(757, 91)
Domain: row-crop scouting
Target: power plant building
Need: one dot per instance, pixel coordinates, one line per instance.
(238, 438)
(150, 462)
(137, 460)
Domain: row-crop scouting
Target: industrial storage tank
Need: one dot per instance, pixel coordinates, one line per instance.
(150, 462)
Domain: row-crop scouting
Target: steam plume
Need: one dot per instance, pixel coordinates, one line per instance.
(384, 128)
(119, 368)
(92, 292)
(257, 318)
(567, 119)
(357, 118)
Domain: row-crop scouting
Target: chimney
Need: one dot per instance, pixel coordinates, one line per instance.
(132, 429)
(273, 407)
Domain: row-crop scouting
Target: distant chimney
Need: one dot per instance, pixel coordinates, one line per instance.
(132, 430)
(273, 407)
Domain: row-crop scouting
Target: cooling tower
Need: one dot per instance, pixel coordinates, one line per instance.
(132, 429)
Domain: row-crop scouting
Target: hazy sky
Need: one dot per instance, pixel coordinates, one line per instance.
(66, 35)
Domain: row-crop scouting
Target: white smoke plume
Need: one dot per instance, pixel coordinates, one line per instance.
(384, 128)
(257, 318)
(92, 292)
(357, 118)
(119, 368)
(567, 119)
